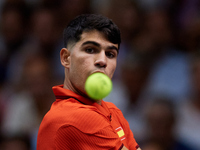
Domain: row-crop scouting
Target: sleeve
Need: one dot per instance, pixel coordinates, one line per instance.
(132, 144)
(70, 137)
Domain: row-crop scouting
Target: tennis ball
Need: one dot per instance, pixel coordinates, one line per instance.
(98, 86)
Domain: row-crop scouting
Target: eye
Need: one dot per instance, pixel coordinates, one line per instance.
(110, 54)
(89, 50)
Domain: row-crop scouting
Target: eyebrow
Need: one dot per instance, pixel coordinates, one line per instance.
(98, 45)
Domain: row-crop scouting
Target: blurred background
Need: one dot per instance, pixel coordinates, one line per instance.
(156, 84)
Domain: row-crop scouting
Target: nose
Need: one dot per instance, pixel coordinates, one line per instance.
(101, 60)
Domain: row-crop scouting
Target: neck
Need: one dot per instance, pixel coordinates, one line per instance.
(98, 102)
(68, 85)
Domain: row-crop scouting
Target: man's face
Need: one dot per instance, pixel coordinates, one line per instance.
(93, 53)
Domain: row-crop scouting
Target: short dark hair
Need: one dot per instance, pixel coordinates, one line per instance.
(89, 22)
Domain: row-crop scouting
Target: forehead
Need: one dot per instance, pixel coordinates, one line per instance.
(96, 36)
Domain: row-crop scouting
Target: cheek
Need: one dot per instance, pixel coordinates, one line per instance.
(79, 70)
(81, 66)
(111, 68)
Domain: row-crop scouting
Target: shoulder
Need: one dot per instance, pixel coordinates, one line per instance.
(112, 107)
(88, 118)
(115, 111)
(83, 117)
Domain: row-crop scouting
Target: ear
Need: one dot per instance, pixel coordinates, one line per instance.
(65, 57)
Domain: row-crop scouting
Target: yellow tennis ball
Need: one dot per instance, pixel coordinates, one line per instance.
(98, 86)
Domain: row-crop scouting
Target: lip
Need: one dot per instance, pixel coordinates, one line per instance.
(98, 72)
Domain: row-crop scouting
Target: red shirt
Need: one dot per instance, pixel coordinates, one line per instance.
(75, 122)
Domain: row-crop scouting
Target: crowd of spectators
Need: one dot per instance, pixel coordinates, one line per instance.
(156, 84)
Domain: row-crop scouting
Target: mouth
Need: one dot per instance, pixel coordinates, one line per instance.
(98, 71)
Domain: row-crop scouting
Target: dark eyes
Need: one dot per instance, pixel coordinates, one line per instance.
(90, 50)
(109, 53)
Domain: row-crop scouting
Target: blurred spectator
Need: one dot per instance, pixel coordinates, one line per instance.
(161, 120)
(44, 38)
(152, 144)
(127, 93)
(21, 142)
(14, 25)
(169, 65)
(188, 128)
(71, 8)
(191, 36)
(14, 18)
(151, 4)
(128, 16)
(188, 13)
(44, 31)
(31, 100)
(100, 6)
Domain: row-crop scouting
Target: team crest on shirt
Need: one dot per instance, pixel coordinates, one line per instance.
(120, 133)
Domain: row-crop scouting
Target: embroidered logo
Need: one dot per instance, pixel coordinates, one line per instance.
(120, 133)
